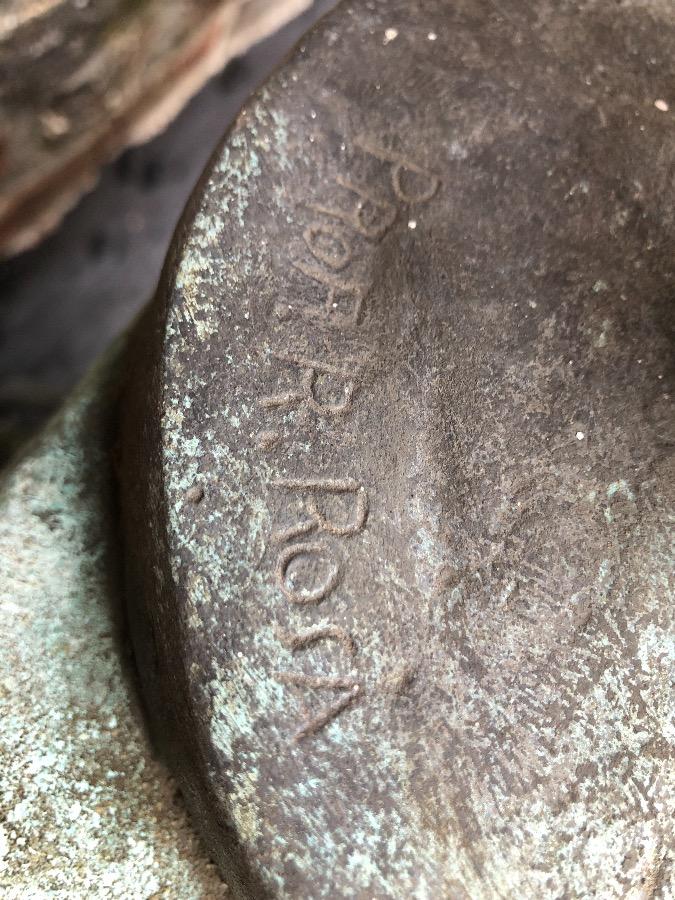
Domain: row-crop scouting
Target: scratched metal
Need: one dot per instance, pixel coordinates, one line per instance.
(397, 462)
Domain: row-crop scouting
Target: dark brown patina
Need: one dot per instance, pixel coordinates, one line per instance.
(412, 353)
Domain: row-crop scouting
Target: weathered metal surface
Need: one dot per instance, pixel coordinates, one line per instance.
(85, 810)
(80, 80)
(397, 462)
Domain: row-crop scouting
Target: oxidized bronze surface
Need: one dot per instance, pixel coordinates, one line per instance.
(397, 462)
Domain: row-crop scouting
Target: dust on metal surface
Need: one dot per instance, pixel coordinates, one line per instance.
(396, 485)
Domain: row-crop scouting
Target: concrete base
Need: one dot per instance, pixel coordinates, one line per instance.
(85, 809)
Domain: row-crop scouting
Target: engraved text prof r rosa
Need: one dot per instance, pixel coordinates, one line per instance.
(357, 213)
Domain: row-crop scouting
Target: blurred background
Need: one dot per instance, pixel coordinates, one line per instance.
(63, 301)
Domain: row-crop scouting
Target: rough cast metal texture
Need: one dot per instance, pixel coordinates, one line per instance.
(85, 809)
(80, 80)
(397, 463)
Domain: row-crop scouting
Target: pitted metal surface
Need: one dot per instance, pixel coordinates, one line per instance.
(396, 487)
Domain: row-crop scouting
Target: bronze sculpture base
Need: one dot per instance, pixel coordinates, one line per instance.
(397, 462)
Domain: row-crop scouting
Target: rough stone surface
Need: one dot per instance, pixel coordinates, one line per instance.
(414, 349)
(85, 809)
(67, 299)
(81, 80)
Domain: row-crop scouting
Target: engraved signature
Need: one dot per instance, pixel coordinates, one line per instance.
(305, 571)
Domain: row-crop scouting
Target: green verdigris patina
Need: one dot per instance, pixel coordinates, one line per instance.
(397, 465)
